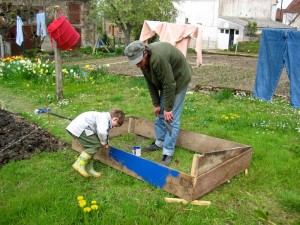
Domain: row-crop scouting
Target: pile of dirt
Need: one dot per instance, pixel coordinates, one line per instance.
(19, 138)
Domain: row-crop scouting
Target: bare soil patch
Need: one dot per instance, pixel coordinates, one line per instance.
(217, 71)
(19, 138)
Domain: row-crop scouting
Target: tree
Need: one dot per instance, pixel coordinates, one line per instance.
(251, 28)
(129, 15)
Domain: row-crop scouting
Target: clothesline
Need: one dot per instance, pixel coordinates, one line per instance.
(41, 28)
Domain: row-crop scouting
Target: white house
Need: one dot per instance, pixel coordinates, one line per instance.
(291, 15)
(223, 21)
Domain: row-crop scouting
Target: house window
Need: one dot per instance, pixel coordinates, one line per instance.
(226, 31)
(222, 31)
(237, 32)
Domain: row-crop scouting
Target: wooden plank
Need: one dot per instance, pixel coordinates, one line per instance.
(213, 159)
(186, 139)
(144, 128)
(202, 143)
(195, 165)
(222, 173)
(172, 181)
(195, 202)
(77, 146)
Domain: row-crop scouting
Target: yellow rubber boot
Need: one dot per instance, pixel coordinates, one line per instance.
(91, 171)
(81, 163)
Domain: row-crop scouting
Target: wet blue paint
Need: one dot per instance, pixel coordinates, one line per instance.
(149, 171)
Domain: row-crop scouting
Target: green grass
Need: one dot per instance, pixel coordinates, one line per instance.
(43, 190)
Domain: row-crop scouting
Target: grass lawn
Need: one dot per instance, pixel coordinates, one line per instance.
(44, 189)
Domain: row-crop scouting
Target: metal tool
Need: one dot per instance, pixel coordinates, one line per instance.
(169, 128)
(47, 110)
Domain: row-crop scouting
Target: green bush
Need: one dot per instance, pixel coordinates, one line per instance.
(246, 46)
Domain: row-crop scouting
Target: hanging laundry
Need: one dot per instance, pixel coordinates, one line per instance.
(41, 29)
(19, 38)
(179, 35)
(278, 47)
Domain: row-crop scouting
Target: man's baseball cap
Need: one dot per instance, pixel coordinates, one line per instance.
(134, 52)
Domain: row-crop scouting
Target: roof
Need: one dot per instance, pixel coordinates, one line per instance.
(261, 22)
(293, 7)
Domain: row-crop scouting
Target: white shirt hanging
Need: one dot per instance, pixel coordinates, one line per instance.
(20, 37)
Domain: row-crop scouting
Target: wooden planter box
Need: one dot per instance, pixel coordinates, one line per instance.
(215, 161)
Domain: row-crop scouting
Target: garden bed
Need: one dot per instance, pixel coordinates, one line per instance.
(215, 161)
(20, 139)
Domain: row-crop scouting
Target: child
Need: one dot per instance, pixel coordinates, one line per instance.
(91, 130)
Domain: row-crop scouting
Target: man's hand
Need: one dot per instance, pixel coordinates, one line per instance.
(168, 116)
(156, 111)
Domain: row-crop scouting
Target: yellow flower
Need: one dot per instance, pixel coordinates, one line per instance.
(95, 207)
(82, 203)
(87, 66)
(87, 209)
(94, 202)
(80, 198)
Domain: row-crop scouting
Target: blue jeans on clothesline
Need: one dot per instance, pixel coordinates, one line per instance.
(278, 47)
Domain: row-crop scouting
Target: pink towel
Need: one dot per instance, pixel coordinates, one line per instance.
(179, 35)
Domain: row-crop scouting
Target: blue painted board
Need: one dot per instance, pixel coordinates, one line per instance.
(147, 170)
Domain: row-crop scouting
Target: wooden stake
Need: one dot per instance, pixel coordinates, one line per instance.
(58, 70)
(195, 202)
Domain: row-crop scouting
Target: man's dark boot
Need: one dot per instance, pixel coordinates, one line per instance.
(166, 160)
(152, 147)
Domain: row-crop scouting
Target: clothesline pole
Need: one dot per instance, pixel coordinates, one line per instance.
(58, 63)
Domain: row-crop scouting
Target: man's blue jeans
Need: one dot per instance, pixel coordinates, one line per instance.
(164, 137)
(278, 47)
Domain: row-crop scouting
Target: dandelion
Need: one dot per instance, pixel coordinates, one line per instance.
(82, 203)
(87, 66)
(94, 202)
(87, 209)
(80, 198)
(94, 207)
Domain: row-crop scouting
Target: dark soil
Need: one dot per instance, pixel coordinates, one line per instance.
(19, 139)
